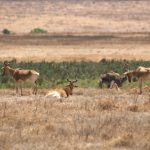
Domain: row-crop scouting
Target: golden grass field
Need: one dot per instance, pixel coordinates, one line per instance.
(91, 119)
(75, 16)
(75, 48)
(109, 29)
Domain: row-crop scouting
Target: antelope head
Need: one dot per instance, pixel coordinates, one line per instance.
(129, 75)
(71, 85)
(5, 69)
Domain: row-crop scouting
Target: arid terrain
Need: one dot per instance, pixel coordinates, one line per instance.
(77, 30)
(75, 16)
(69, 48)
(90, 119)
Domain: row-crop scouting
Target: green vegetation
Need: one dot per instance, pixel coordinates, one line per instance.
(54, 74)
(6, 31)
(38, 30)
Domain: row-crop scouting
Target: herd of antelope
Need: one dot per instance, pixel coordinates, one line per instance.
(112, 79)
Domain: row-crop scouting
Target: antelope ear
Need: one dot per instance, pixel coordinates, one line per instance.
(75, 81)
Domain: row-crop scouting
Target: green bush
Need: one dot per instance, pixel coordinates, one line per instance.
(53, 74)
(38, 30)
(6, 31)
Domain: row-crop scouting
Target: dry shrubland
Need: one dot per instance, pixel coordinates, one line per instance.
(90, 119)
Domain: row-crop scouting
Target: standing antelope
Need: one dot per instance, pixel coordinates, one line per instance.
(112, 79)
(142, 73)
(62, 92)
(21, 76)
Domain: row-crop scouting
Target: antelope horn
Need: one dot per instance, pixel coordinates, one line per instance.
(75, 79)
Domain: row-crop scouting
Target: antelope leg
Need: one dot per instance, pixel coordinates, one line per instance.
(34, 88)
(21, 88)
(112, 84)
(140, 85)
(16, 85)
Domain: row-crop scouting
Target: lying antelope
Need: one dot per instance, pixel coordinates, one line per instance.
(62, 92)
(21, 75)
(142, 73)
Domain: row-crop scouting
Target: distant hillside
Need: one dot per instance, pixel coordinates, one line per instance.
(75, 16)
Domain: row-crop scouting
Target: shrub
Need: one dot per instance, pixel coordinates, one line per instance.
(38, 30)
(55, 74)
(6, 31)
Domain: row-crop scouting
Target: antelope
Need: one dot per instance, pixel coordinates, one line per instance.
(21, 75)
(62, 92)
(112, 79)
(141, 73)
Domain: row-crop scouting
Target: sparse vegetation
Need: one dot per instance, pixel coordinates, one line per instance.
(38, 30)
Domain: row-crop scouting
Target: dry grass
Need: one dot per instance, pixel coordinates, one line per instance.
(90, 119)
(122, 27)
(63, 48)
(86, 17)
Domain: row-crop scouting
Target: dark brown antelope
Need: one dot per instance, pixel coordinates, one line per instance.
(112, 79)
(62, 92)
(141, 73)
(21, 75)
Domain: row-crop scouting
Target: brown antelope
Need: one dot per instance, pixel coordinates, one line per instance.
(111, 78)
(21, 75)
(142, 73)
(62, 92)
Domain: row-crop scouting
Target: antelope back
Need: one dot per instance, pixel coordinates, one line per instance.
(22, 75)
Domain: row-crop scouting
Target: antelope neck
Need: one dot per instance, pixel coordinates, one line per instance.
(67, 89)
(11, 71)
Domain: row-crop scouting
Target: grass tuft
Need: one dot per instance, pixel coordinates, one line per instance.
(124, 140)
(133, 108)
(106, 105)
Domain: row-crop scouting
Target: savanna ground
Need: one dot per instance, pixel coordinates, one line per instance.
(90, 119)
(77, 30)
